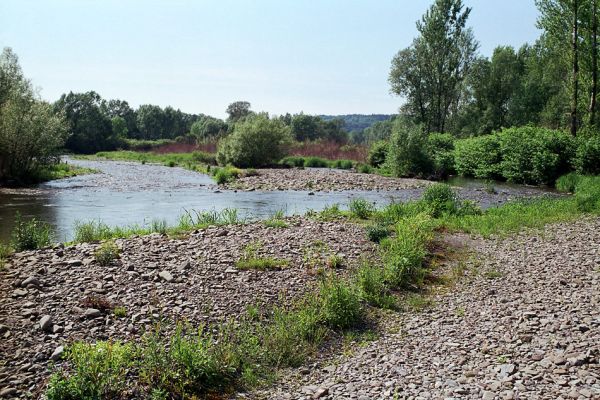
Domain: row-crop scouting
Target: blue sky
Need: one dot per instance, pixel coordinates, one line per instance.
(320, 57)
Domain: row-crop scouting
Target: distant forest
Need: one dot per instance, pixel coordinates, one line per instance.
(357, 122)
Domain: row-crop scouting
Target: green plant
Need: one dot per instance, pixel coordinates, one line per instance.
(293, 161)
(97, 371)
(315, 162)
(364, 169)
(567, 183)
(374, 289)
(339, 303)
(106, 253)
(31, 234)
(120, 312)
(377, 232)
(91, 231)
(407, 155)
(251, 260)
(5, 252)
(378, 153)
(361, 208)
(256, 141)
(330, 213)
(343, 164)
(587, 156)
(441, 199)
(335, 261)
(159, 226)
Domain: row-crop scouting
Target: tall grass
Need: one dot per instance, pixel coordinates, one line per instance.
(30, 234)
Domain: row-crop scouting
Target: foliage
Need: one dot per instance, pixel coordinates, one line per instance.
(567, 183)
(361, 208)
(30, 234)
(207, 128)
(238, 110)
(523, 155)
(340, 303)
(408, 155)
(378, 153)
(440, 149)
(251, 260)
(587, 157)
(377, 232)
(440, 199)
(106, 253)
(374, 288)
(98, 372)
(430, 73)
(255, 142)
(30, 133)
(315, 162)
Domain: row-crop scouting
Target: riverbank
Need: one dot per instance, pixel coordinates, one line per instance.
(522, 322)
(49, 173)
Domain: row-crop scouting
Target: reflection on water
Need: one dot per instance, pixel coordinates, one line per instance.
(127, 193)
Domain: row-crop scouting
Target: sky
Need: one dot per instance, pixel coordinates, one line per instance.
(319, 57)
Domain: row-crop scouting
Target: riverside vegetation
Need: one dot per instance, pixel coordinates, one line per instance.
(211, 359)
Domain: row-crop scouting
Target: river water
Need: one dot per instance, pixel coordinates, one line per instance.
(127, 193)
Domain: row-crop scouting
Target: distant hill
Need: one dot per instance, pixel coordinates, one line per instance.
(357, 122)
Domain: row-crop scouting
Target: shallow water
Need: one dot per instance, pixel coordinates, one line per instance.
(126, 193)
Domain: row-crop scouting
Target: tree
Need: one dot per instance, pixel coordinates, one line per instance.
(151, 121)
(119, 127)
(120, 108)
(238, 110)
(30, 132)
(207, 128)
(90, 128)
(305, 127)
(430, 73)
(256, 141)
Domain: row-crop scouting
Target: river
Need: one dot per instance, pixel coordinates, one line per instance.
(127, 193)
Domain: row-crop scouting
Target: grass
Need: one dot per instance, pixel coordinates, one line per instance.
(60, 171)
(5, 252)
(250, 259)
(106, 253)
(93, 231)
(361, 208)
(30, 234)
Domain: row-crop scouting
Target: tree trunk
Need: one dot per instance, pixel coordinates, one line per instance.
(575, 70)
(594, 62)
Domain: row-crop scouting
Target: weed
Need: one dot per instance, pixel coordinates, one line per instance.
(340, 303)
(251, 260)
(441, 199)
(371, 280)
(335, 261)
(460, 312)
(330, 213)
(377, 232)
(493, 274)
(361, 208)
(418, 302)
(31, 234)
(120, 312)
(159, 226)
(98, 371)
(106, 253)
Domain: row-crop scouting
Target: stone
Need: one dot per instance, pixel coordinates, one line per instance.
(32, 280)
(57, 354)
(166, 276)
(320, 392)
(46, 323)
(91, 313)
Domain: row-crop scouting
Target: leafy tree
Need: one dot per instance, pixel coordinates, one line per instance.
(120, 108)
(238, 110)
(30, 132)
(256, 141)
(306, 127)
(151, 121)
(207, 128)
(407, 155)
(431, 72)
(91, 129)
(119, 127)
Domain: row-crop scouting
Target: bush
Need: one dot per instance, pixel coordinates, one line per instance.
(361, 208)
(523, 155)
(377, 232)
(587, 157)
(478, 157)
(364, 169)
(441, 199)
(343, 164)
(378, 153)
(339, 303)
(407, 155)
(222, 175)
(31, 234)
(315, 162)
(255, 142)
(106, 253)
(440, 147)
(98, 371)
(587, 194)
(374, 289)
(568, 183)
(293, 161)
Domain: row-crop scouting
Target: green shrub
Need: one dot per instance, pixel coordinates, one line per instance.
(404, 254)
(587, 157)
(255, 142)
(587, 194)
(378, 153)
(440, 147)
(222, 176)
(441, 199)
(373, 286)
(315, 162)
(293, 161)
(31, 234)
(478, 157)
(339, 303)
(97, 371)
(92, 231)
(106, 253)
(202, 157)
(343, 164)
(407, 155)
(377, 232)
(364, 169)
(361, 208)
(567, 183)
(171, 163)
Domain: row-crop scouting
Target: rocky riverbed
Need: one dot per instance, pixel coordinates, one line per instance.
(523, 323)
(322, 179)
(51, 297)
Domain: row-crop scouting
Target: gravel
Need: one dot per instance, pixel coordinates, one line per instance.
(523, 323)
(321, 179)
(156, 278)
